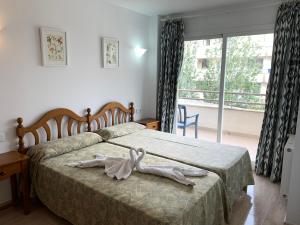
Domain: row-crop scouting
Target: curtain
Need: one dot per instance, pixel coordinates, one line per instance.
(282, 97)
(171, 52)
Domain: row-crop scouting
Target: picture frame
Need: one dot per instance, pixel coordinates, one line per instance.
(54, 47)
(110, 52)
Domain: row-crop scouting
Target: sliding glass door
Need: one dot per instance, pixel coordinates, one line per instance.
(224, 80)
(248, 65)
(199, 85)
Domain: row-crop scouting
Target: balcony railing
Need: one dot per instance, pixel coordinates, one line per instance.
(258, 105)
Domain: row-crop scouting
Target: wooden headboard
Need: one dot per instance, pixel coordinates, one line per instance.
(110, 114)
(57, 115)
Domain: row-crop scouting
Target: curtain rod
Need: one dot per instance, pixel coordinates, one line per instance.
(220, 11)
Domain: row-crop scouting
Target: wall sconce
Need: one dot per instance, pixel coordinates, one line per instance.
(139, 52)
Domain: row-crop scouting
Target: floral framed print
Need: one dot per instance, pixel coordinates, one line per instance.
(54, 46)
(110, 52)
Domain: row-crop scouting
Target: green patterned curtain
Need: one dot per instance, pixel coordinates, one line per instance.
(282, 98)
(171, 52)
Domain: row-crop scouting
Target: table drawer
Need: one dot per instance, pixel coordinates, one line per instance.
(8, 170)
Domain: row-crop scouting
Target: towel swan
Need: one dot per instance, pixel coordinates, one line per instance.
(121, 168)
(114, 167)
(172, 172)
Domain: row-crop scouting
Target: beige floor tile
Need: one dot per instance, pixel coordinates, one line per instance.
(276, 213)
(262, 205)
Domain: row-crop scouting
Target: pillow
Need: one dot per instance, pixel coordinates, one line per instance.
(119, 130)
(64, 145)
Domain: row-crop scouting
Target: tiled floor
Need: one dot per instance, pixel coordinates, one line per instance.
(261, 206)
(232, 139)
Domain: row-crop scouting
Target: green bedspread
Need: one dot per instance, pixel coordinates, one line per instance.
(89, 197)
(231, 163)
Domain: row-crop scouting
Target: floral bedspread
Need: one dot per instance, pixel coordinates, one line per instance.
(231, 163)
(89, 197)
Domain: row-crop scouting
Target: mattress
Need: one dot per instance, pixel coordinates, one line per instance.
(231, 163)
(89, 197)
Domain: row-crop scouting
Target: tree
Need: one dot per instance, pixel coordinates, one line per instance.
(242, 67)
(188, 75)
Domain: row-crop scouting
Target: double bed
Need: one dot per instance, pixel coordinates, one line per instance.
(88, 196)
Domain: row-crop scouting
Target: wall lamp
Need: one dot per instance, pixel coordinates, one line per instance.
(139, 52)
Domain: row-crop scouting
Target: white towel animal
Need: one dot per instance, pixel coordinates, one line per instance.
(118, 168)
(121, 168)
(172, 172)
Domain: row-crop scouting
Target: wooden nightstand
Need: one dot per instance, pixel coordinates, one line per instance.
(11, 164)
(150, 123)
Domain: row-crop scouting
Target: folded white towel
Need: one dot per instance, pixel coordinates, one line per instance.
(121, 168)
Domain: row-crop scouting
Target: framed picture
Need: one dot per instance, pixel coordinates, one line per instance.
(110, 52)
(54, 46)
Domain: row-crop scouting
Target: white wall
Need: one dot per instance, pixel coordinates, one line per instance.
(293, 206)
(149, 99)
(27, 89)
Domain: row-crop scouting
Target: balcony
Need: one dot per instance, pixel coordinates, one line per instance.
(241, 126)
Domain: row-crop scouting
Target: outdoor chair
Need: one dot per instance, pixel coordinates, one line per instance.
(185, 121)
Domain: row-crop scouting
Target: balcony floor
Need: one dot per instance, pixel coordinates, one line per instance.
(248, 142)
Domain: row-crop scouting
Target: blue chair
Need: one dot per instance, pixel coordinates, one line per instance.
(185, 121)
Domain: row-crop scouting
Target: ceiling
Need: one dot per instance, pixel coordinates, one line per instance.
(165, 7)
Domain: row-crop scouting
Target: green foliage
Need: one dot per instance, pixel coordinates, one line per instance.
(242, 67)
(187, 79)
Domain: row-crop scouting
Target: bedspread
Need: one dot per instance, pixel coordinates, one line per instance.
(89, 197)
(231, 163)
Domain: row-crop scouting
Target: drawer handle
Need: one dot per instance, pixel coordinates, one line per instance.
(289, 150)
(2, 173)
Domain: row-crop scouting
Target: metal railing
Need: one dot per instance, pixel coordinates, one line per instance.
(242, 104)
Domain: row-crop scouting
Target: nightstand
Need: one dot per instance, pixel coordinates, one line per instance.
(11, 164)
(150, 123)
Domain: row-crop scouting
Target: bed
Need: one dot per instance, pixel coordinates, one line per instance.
(231, 163)
(88, 197)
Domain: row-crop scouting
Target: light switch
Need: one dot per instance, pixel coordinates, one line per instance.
(2, 137)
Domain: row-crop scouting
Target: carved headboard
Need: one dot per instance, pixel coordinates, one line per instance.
(58, 115)
(110, 114)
